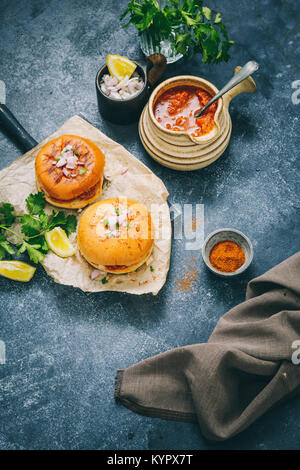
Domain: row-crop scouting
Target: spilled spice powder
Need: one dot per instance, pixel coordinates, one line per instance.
(195, 223)
(185, 283)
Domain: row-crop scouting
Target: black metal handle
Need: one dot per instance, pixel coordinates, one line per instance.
(11, 125)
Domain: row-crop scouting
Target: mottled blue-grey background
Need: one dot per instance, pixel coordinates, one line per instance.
(64, 346)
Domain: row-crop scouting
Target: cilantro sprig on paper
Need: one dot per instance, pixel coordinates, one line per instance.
(34, 225)
(201, 30)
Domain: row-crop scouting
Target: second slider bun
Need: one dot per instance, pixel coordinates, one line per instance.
(75, 183)
(115, 235)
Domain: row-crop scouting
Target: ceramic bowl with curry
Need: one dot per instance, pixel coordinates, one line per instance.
(171, 133)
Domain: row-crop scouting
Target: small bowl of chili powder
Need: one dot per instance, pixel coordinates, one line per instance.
(227, 252)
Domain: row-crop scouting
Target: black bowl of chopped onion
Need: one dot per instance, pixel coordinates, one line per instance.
(122, 102)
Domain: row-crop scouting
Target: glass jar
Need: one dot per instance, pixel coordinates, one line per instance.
(165, 45)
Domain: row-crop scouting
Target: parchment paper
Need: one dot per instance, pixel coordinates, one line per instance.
(129, 178)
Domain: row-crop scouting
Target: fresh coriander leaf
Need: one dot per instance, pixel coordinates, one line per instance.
(22, 248)
(6, 214)
(44, 219)
(6, 246)
(43, 243)
(71, 224)
(57, 219)
(82, 171)
(183, 42)
(33, 251)
(36, 203)
(149, 16)
(218, 18)
(211, 46)
(224, 51)
(223, 30)
(207, 12)
(189, 20)
(2, 253)
(104, 280)
(30, 225)
(151, 269)
(117, 210)
(202, 29)
(34, 254)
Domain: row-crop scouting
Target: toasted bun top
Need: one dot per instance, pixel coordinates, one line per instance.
(52, 179)
(115, 232)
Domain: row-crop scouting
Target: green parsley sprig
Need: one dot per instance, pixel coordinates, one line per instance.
(34, 226)
(201, 30)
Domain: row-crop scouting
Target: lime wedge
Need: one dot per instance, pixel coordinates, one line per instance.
(17, 270)
(119, 66)
(59, 243)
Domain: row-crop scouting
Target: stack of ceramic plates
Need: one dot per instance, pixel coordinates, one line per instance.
(185, 157)
(179, 150)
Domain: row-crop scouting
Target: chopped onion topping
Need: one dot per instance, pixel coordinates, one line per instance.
(124, 171)
(67, 160)
(71, 162)
(61, 162)
(96, 273)
(114, 222)
(123, 90)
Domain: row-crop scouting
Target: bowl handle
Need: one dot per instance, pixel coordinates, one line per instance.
(159, 64)
(246, 86)
(154, 67)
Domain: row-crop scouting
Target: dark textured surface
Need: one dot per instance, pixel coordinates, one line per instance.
(64, 346)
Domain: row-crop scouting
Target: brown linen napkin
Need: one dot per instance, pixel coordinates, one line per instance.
(245, 368)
